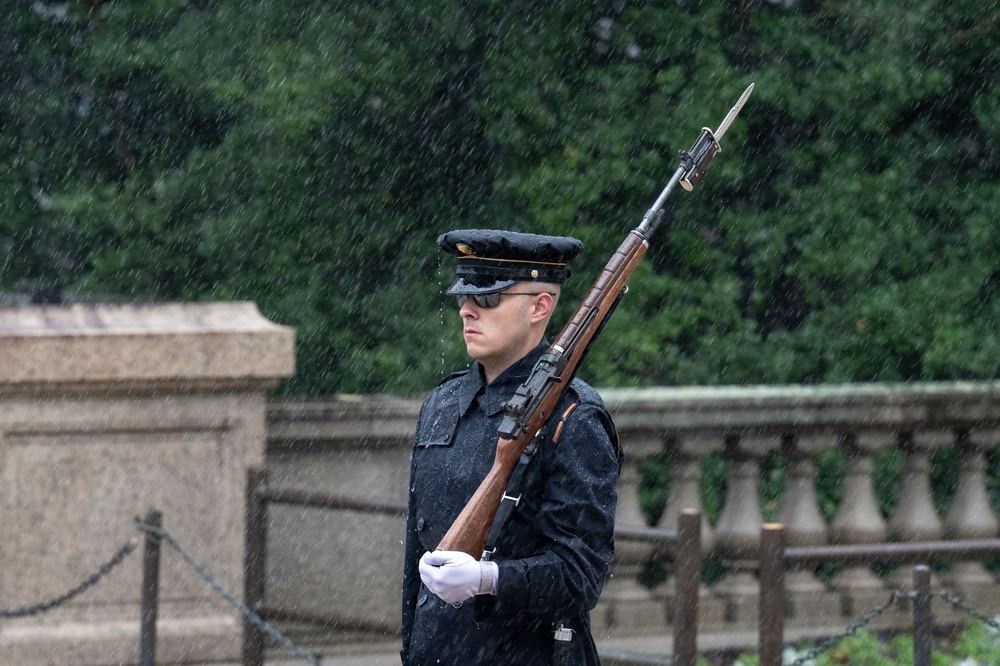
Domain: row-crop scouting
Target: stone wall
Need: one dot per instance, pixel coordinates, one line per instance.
(346, 564)
(109, 411)
(339, 565)
(105, 413)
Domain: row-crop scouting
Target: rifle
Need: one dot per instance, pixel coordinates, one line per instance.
(533, 402)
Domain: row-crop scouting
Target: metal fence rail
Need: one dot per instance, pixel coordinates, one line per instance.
(259, 495)
(775, 558)
(151, 526)
(682, 545)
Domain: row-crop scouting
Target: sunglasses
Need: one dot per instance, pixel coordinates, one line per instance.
(493, 300)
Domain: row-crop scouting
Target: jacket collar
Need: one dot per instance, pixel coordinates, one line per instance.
(496, 393)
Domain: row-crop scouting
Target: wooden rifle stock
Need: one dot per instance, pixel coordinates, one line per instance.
(533, 403)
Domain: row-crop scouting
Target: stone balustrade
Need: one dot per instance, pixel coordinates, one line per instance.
(324, 563)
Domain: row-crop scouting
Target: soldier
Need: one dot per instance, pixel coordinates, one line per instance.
(552, 555)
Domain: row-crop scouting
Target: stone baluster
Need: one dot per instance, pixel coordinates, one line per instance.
(737, 534)
(970, 516)
(804, 525)
(859, 520)
(627, 605)
(914, 517)
(686, 453)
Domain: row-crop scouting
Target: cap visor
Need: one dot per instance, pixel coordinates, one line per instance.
(461, 287)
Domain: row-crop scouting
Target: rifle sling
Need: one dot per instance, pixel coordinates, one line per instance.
(512, 493)
(511, 498)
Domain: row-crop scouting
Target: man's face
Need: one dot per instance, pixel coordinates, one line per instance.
(498, 337)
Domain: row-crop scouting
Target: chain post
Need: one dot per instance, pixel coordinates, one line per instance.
(687, 575)
(772, 593)
(254, 565)
(150, 598)
(923, 620)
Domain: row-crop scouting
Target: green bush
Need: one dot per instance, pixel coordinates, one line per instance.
(979, 642)
(976, 645)
(304, 155)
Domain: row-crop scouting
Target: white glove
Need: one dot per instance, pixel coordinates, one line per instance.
(455, 576)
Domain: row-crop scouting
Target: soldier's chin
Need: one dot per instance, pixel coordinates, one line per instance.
(476, 352)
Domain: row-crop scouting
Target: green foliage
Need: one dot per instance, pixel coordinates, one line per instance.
(978, 641)
(304, 155)
(654, 486)
(862, 648)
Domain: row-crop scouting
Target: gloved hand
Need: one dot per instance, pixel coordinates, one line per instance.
(454, 576)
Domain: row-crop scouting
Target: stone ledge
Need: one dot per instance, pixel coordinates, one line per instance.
(166, 347)
(342, 420)
(827, 407)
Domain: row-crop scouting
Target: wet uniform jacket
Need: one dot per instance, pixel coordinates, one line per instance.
(555, 551)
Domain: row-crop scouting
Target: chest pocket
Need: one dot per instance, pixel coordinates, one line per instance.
(437, 423)
(432, 454)
(439, 432)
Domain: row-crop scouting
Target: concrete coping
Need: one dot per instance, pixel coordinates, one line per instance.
(703, 415)
(138, 348)
(840, 407)
(341, 421)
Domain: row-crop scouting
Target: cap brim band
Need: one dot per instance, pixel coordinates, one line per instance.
(520, 271)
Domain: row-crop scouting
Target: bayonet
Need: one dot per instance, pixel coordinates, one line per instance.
(693, 165)
(695, 161)
(733, 112)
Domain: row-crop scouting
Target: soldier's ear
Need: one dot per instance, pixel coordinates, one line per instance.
(544, 304)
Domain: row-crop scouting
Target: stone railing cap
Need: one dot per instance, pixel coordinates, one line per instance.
(51, 348)
(772, 408)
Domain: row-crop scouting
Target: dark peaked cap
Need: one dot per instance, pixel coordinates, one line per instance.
(492, 260)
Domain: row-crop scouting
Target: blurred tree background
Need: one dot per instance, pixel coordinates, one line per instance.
(305, 155)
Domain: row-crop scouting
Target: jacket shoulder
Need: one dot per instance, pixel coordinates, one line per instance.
(446, 386)
(452, 377)
(583, 393)
(441, 396)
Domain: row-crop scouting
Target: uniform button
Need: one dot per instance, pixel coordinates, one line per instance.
(420, 523)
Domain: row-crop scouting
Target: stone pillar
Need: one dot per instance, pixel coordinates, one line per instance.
(737, 534)
(804, 525)
(914, 517)
(626, 606)
(107, 411)
(859, 520)
(686, 452)
(685, 481)
(970, 516)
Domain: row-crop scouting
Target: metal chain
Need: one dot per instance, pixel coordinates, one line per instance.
(92, 580)
(862, 622)
(969, 610)
(244, 610)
